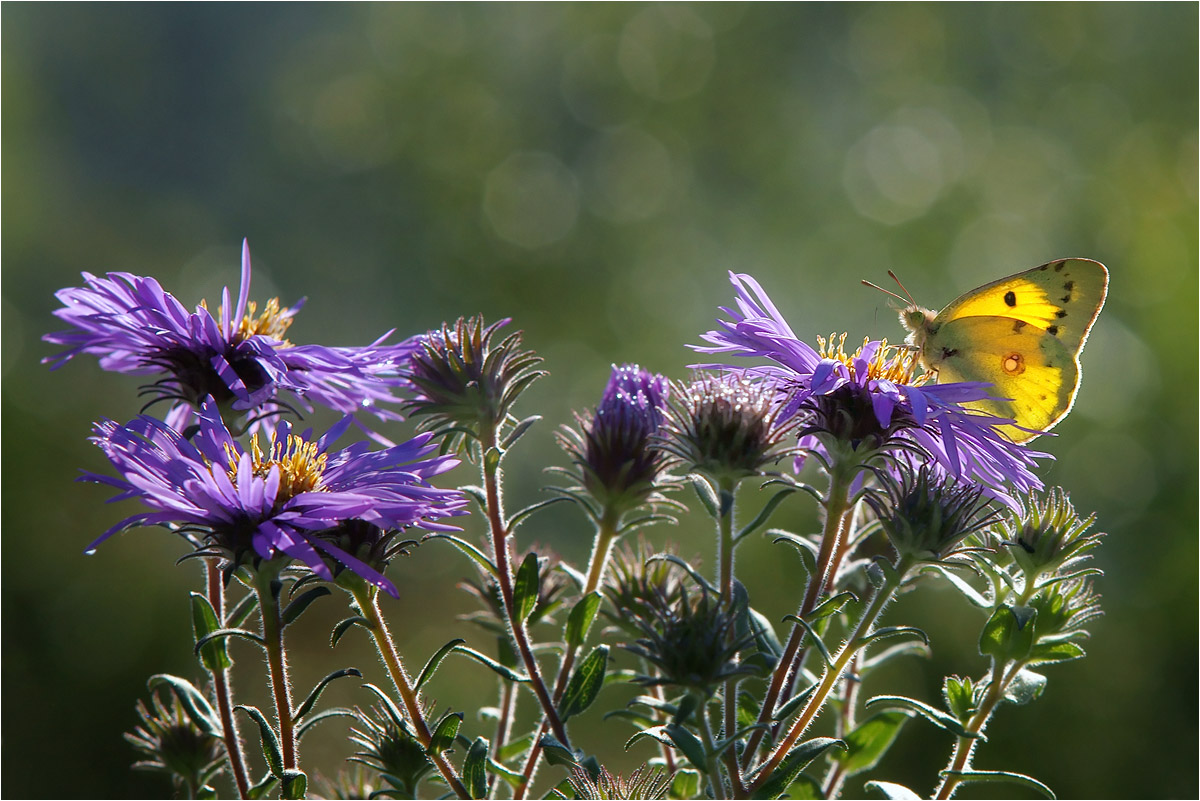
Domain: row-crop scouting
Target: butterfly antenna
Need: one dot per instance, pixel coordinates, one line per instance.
(902, 288)
(886, 291)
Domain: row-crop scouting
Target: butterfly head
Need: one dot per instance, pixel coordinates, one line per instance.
(919, 322)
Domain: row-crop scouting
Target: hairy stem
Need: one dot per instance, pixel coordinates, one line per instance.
(281, 691)
(224, 693)
(964, 747)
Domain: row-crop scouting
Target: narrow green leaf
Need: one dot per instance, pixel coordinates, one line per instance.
(519, 429)
(585, 683)
(893, 791)
(555, 752)
(194, 703)
(296, 608)
(935, 716)
(213, 655)
(512, 777)
(484, 659)
(311, 700)
(704, 491)
(579, 621)
(1001, 777)
(804, 788)
(525, 587)
(894, 631)
(474, 770)
(1048, 653)
(220, 634)
(524, 514)
(830, 606)
(760, 520)
(293, 784)
(445, 732)
(242, 611)
(520, 745)
(807, 550)
(432, 665)
(345, 625)
(796, 760)
(785, 711)
(325, 714)
(688, 743)
(270, 743)
(867, 744)
(970, 593)
(813, 637)
(264, 786)
(691, 571)
(470, 550)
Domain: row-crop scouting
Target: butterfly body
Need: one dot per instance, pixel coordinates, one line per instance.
(1022, 334)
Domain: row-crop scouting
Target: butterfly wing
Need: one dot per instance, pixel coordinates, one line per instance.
(1026, 365)
(1061, 298)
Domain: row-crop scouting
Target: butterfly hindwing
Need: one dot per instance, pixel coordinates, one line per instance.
(1061, 298)
(1035, 371)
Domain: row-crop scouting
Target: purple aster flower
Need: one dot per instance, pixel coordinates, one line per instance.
(239, 357)
(618, 462)
(873, 397)
(294, 498)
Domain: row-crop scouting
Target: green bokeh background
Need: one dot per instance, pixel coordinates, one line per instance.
(592, 171)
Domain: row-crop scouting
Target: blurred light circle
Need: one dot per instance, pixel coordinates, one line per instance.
(531, 199)
(348, 124)
(893, 174)
(666, 52)
(628, 175)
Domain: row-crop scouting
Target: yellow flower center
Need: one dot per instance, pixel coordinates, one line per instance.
(300, 464)
(893, 363)
(273, 322)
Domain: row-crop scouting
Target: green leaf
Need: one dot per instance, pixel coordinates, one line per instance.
(796, 760)
(264, 786)
(222, 633)
(761, 519)
(474, 770)
(585, 683)
(293, 784)
(814, 638)
(691, 571)
(520, 745)
(213, 656)
(525, 587)
(891, 790)
(579, 622)
(867, 744)
(197, 706)
(345, 625)
(296, 608)
(1048, 653)
(894, 631)
(483, 659)
(445, 732)
(688, 743)
(804, 788)
(935, 716)
(1001, 777)
(1009, 634)
(270, 743)
(960, 697)
(524, 514)
(807, 551)
(470, 550)
(970, 593)
(432, 665)
(1026, 686)
(325, 714)
(242, 611)
(785, 711)
(704, 492)
(519, 429)
(311, 700)
(556, 753)
(685, 784)
(512, 777)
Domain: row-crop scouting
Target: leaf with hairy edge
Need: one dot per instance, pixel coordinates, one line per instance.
(484, 659)
(270, 743)
(525, 587)
(688, 743)
(937, 717)
(691, 571)
(297, 607)
(1001, 777)
(470, 550)
(870, 740)
(221, 633)
(343, 626)
(242, 611)
(893, 791)
(445, 732)
(293, 784)
(432, 665)
(579, 621)
(197, 706)
(474, 770)
(326, 714)
(555, 752)
(213, 655)
(761, 519)
(796, 760)
(311, 700)
(585, 683)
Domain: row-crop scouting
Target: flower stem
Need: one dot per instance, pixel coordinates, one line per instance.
(964, 747)
(713, 762)
(266, 585)
(725, 493)
(833, 672)
(845, 725)
(837, 518)
(220, 678)
(367, 598)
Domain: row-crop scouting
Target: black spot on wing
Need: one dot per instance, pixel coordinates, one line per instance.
(1018, 325)
(1070, 285)
(1058, 266)
(1052, 330)
(1061, 313)
(1044, 267)
(1010, 298)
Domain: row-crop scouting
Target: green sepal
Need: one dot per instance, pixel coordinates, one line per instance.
(935, 716)
(298, 605)
(893, 791)
(264, 786)
(474, 770)
(685, 784)
(345, 625)
(525, 587)
(1049, 653)
(1025, 687)
(556, 753)
(796, 760)
(707, 496)
(761, 518)
(270, 743)
(311, 700)
(444, 733)
(585, 683)
(484, 659)
(467, 548)
(1008, 635)
(199, 710)
(222, 633)
(579, 621)
(1000, 777)
(293, 784)
(870, 740)
(325, 714)
(213, 655)
(432, 665)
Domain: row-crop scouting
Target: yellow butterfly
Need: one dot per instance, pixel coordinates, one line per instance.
(1022, 334)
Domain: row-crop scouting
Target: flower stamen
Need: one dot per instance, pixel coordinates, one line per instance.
(301, 464)
(890, 363)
